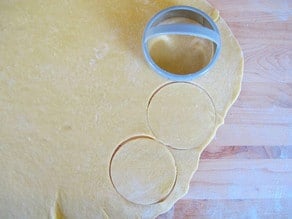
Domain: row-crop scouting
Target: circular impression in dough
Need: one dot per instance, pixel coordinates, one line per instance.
(143, 170)
(182, 115)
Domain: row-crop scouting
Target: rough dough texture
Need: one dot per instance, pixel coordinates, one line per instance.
(74, 86)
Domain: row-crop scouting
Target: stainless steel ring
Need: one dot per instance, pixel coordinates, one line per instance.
(207, 29)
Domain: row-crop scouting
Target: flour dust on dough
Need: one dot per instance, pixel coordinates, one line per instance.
(74, 85)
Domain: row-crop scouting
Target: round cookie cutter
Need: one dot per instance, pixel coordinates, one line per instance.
(206, 28)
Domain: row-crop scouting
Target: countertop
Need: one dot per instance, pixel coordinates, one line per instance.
(246, 172)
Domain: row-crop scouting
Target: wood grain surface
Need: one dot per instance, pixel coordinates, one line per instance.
(246, 172)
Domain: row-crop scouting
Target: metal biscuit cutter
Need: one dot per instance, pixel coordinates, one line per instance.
(206, 28)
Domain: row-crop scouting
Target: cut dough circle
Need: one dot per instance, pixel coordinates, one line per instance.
(133, 175)
(185, 106)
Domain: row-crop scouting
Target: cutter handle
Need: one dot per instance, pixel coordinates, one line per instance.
(183, 29)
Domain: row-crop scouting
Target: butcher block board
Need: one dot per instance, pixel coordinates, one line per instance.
(246, 172)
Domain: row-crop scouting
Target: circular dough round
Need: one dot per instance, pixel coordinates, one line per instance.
(182, 115)
(136, 171)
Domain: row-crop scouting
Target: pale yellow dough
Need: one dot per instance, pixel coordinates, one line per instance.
(139, 182)
(79, 105)
(178, 119)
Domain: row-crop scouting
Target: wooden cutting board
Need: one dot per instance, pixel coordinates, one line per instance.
(246, 172)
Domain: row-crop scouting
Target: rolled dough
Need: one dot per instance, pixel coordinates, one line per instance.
(79, 105)
(139, 182)
(178, 119)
